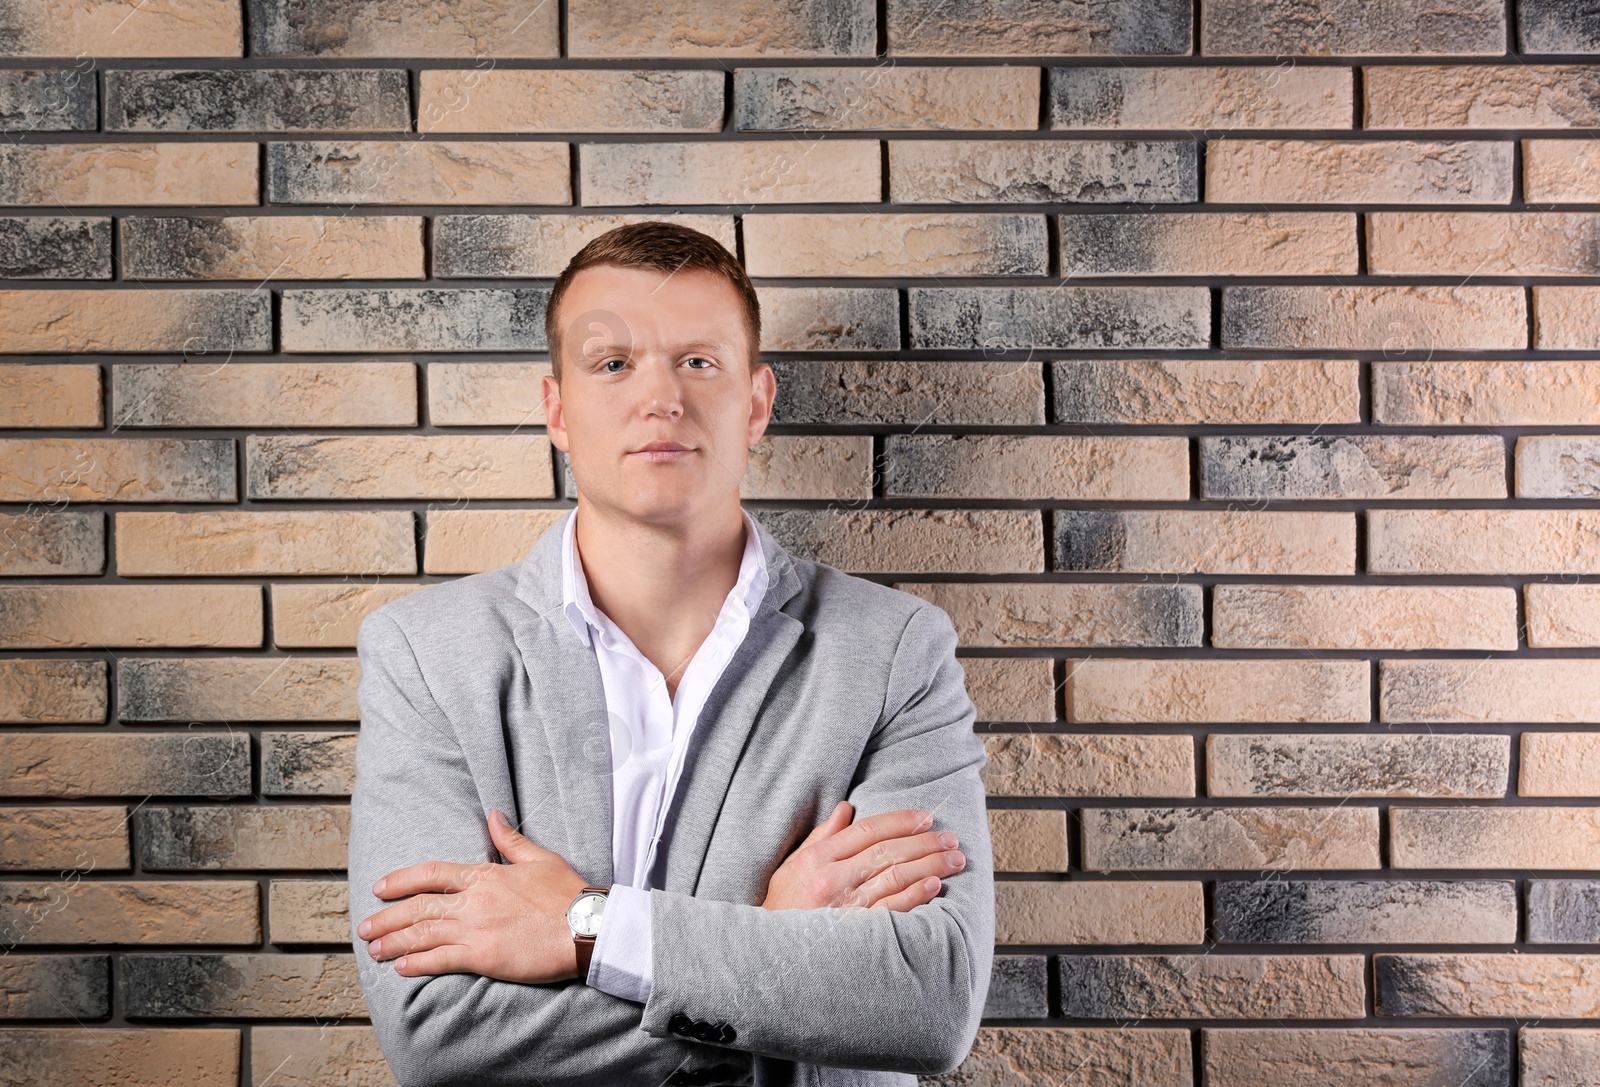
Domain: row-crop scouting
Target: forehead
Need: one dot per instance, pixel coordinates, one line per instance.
(646, 305)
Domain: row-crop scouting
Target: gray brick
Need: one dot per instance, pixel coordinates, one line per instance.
(458, 172)
(47, 100)
(1558, 26)
(51, 986)
(829, 318)
(420, 319)
(1212, 986)
(118, 469)
(1043, 171)
(258, 100)
(403, 28)
(1405, 1056)
(52, 543)
(1563, 911)
(72, 765)
(1352, 466)
(1282, 911)
(747, 28)
(238, 688)
(55, 247)
(1343, 27)
(902, 392)
(279, 836)
(1019, 988)
(992, 318)
(42, 690)
(1469, 765)
(308, 763)
(538, 246)
(274, 985)
(988, 28)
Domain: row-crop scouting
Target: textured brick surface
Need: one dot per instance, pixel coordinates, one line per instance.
(1215, 986)
(1053, 764)
(401, 28)
(1221, 837)
(1368, 911)
(1340, 1056)
(1016, 171)
(908, 97)
(1482, 96)
(1231, 97)
(1164, 911)
(1346, 171)
(1350, 766)
(1352, 27)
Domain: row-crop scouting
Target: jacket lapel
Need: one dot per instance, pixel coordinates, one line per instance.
(570, 695)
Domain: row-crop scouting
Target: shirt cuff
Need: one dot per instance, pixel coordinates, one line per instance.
(620, 964)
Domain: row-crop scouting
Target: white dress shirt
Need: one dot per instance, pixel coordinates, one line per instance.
(649, 736)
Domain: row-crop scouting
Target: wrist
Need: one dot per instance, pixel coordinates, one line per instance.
(585, 915)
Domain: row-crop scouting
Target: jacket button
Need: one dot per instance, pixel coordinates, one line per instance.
(703, 1031)
(679, 1023)
(725, 1033)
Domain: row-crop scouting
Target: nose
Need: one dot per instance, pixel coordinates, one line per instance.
(662, 393)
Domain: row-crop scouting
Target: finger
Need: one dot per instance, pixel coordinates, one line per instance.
(872, 829)
(403, 914)
(922, 891)
(875, 858)
(420, 936)
(425, 876)
(449, 959)
(899, 876)
(836, 821)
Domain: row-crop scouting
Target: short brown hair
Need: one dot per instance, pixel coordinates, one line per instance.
(663, 246)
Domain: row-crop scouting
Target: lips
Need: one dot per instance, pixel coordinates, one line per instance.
(656, 447)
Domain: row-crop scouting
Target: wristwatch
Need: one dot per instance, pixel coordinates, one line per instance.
(583, 917)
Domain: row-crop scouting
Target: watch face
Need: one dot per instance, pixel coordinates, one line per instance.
(585, 913)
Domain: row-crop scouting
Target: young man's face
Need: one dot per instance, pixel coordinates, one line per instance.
(648, 356)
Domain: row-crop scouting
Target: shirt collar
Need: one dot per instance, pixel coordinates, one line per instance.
(747, 591)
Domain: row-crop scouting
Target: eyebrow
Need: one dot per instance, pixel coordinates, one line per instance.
(715, 345)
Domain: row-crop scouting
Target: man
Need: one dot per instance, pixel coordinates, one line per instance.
(666, 703)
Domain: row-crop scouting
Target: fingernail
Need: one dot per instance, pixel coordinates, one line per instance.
(931, 883)
(377, 888)
(947, 840)
(956, 859)
(363, 928)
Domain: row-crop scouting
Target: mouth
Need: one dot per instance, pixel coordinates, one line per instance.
(662, 451)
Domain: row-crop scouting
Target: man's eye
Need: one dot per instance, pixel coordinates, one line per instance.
(608, 362)
(702, 358)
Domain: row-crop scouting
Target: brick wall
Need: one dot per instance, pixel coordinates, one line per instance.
(1230, 373)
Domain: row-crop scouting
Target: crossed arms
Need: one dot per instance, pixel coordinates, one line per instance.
(845, 986)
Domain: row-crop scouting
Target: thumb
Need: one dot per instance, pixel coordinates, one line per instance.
(836, 821)
(513, 845)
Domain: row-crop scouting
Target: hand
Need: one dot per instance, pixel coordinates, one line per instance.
(879, 862)
(506, 921)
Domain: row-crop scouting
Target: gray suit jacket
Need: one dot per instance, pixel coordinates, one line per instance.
(477, 693)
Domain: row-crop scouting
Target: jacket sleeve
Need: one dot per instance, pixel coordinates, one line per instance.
(415, 799)
(855, 987)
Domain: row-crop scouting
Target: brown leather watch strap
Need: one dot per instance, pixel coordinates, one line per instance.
(585, 944)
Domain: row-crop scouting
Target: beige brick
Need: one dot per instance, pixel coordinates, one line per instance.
(308, 911)
(48, 541)
(1054, 764)
(131, 616)
(1558, 466)
(450, 467)
(267, 985)
(886, 97)
(108, 28)
(1204, 97)
(1551, 1057)
(486, 393)
(72, 765)
(876, 244)
(231, 837)
(129, 174)
(1213, 986)
(60, 471)
(1344, 766)
(70, 839)
(1011, 689)
(1226, 243)
(193, 1056)
(1470, 392)
(50, 394)
(1505, 541)
(405, 171)
(573, 100)
(146, 911)
(1035, 1056)
(47, 691)
(992, 28)
(1490, 243)
(1488, 985)
(1560, 764)
(1490, 838)
(1353, 466)
(537, 246)
(1165, 911)
(1031, 171)
(1193, 691)
(1147, 392)
(1037, 467)
(1335, 27)
(809, 466)
(194, 321)
(405, 28)
(1563, 616)
(313, 616)
(913, 540)
(1205, 541)
(1038, 615)
(683, 28)
(1390, 319)
(273, 247)
(1519, 95)
(1565, 317)
(1240, 171)
(264, 394)
(238, 689)
(1354, 1056)
(1029, 839)
(317, 1055)
(468, 541)
(1258, 838)
(240, 542)
(1560, 171)
(783, 171)
(1489, 689)
(1364, 617)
